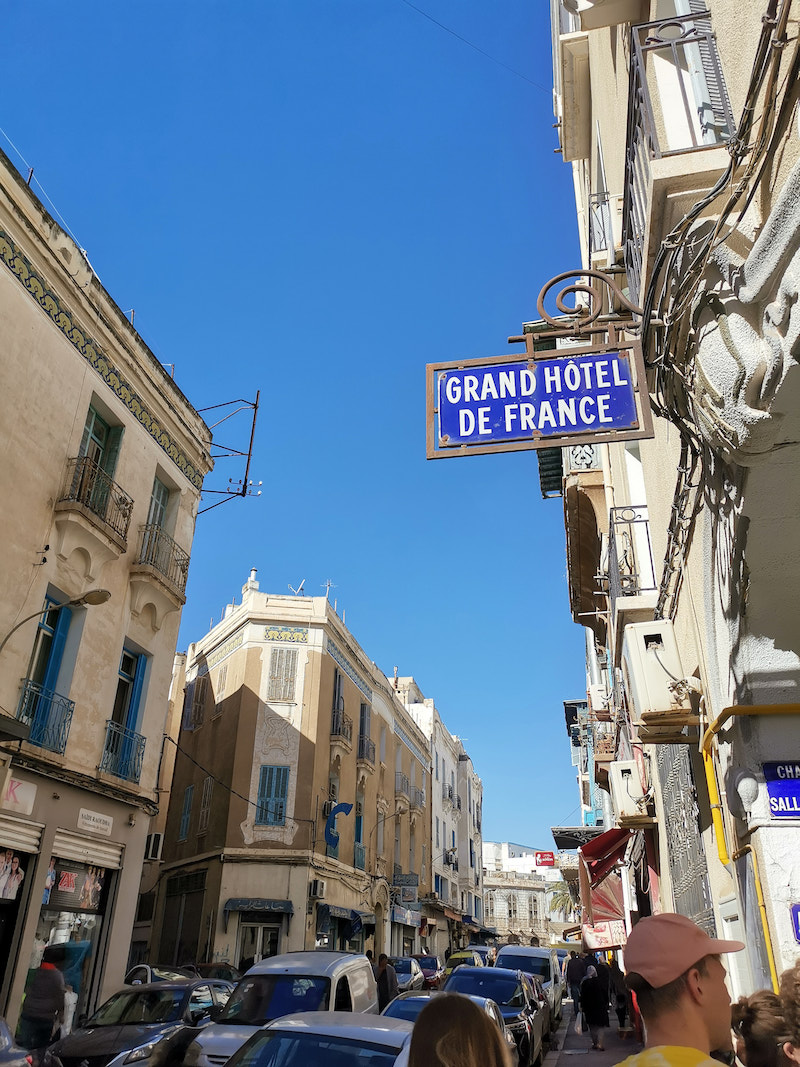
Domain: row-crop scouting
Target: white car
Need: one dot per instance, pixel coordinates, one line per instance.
(322, 1037)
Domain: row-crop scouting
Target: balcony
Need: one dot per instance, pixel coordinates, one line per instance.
(360, 856)
(447, 793)
(90, 489)
(457, 802)
(401, 786)
(158, 551)
(341, 731)
(123, 752)
(47, 714)
(366, 753)
(417, 799)
(632, 584)
(601, 228)
(679, 120)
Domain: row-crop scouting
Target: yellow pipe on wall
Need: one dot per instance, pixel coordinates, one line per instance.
(716, 807)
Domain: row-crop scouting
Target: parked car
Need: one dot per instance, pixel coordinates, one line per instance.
(12, 1055)
(285, 985)
(539, 961)
(146, 973)
(327, 1037)
(432, 971)
(464, 957)
(483, 951)
(148, 1025)
(409, 973)
(514, 994)
(544, 1004)
(219, 970)
(408, 1006)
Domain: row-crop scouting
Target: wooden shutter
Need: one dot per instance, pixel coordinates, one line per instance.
(273, 787)
(282, 674)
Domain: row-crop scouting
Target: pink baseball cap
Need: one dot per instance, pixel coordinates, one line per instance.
(661, 947)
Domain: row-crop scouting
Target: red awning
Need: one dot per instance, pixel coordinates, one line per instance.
(601, 855)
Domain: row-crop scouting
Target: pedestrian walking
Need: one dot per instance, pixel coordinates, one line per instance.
(372, 963)
(387, 982)
(452, 1031)
(575, 973)
(760, 1030)
(674, 969)
(594, 1004)
(43, 1007)
(620, 993)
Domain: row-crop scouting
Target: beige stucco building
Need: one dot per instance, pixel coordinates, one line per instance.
(682, 554)
(103, 460)
(290, 729)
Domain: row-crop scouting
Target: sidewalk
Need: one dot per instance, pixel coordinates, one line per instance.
(572, 1045)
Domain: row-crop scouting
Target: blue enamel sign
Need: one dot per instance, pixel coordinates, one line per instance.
(331, 833)
(783, 787)
(795, 910)
(500, 402)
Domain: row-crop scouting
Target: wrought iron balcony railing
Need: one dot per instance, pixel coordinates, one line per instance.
(418, 798)
(157, 549)
(677, 102)
(123, 752)
(366, 749)
(447, 792)
(88, 484)
(630, 556)
(48, 715)
(360, 856)
(401, 783)
(341, 725)
(601, 230)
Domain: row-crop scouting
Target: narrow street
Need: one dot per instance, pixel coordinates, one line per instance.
(571, 1044)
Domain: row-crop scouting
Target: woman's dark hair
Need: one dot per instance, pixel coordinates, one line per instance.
(452, 1031)
(760, 1022)
(790, 1002)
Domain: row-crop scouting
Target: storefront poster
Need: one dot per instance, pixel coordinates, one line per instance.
(74, 885)
(12, 873)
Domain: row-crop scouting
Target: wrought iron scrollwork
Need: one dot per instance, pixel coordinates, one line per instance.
(584, 315)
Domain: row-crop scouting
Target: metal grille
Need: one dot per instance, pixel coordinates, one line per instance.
(687, 861)
(123, 752)
(48, 714)
(88, 484)
(163, 554)
(630, 556)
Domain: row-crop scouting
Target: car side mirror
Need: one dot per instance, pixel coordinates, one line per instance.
(215, 1011)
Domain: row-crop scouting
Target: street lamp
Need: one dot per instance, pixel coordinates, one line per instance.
(89, 599)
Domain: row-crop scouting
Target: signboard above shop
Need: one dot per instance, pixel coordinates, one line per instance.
(508, 403)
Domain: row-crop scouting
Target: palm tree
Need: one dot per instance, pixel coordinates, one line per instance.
(561, 901)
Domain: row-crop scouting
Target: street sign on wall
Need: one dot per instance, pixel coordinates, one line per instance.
(539, 400)
(783, 788)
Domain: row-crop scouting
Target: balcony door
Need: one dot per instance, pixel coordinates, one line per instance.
(155, 549)
(100, 446)
(37, 706)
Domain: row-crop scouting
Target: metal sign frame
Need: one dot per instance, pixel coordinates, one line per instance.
(434, 450)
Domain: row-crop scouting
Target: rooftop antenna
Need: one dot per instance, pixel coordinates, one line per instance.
(328, 586)
(241, 487)
(299, 590)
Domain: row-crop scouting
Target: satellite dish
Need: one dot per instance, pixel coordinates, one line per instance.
(299, 590)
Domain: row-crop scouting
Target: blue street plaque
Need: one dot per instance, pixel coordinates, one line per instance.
(570, 394)
(795, 910)
(783, 787)
(331, 833)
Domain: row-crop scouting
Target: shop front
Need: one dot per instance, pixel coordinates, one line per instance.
(404, 931)
(343, 929)
(263, 928)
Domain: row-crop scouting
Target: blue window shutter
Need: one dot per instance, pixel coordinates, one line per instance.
(63, 621)
(132, 720)
(186, 814)
(273, 788)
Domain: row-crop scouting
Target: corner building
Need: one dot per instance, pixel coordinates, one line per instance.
(103, 461)
(298, 816)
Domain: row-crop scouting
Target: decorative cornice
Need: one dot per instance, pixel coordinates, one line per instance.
(21, 267)
(349, 671)
(297, 635)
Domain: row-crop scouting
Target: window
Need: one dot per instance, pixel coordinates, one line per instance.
(436, 754)
(512, 906)
(199, 700)
(437, 832)
(338, 691)
(205, 805)
(397, 842)
(282, 674)
(100, 442)
(273, 787)
(381, 844)
(130, 681)
(471, 853)
(490, 905)
(222, 680)
(48, 648)
(383, 744)
(186, 813)
(424, 861)
(412, 841)
(365, 721)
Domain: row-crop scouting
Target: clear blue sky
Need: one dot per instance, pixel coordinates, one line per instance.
(314, 198)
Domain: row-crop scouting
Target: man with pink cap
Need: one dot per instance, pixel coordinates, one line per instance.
(675, 970)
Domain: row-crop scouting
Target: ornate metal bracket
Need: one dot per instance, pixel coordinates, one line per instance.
(583, 318)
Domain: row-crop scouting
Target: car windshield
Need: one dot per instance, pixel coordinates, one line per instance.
(497, 987)
(279, 1048)
(405, 1009)
(402, 966)
(529, 964)
(260, 998)
(139, 1006)
(428, 963)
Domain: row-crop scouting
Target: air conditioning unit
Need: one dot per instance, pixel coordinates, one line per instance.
(598, 701)
(625, 780)
(152, 846)
(317, 888)
(655, 681)
(327, 808)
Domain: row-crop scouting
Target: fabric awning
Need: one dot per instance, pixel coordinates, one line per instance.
(601, 855)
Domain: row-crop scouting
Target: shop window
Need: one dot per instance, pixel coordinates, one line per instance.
(273, 787)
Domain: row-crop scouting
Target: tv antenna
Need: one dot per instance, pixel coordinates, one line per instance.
(299, 590)
(327, 587)
(236, 486)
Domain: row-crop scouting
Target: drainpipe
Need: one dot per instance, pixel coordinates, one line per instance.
(716, 806)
